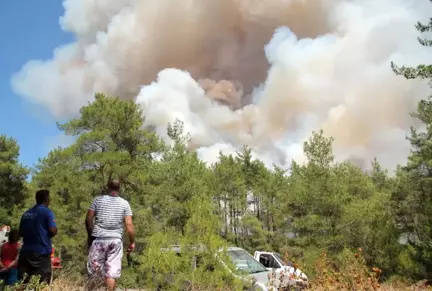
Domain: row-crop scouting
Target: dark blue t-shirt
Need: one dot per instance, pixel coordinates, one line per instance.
(34, 229)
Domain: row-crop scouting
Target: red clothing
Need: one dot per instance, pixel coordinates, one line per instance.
(9, 251)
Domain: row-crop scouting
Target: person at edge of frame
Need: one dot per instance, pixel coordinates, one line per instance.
(37, 228)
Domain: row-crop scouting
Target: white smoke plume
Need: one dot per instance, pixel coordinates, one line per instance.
(261, 73)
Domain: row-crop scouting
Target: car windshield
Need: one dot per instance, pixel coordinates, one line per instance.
(283, 261)
(280, 259)
(245, 262)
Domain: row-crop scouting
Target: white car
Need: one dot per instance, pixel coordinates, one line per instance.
(274, 261)
(250, 271)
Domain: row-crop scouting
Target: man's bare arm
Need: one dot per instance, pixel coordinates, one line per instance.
(130, 229)
(52, 225)
(52, 231)
(89, 221)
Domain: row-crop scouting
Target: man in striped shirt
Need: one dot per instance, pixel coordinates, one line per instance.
(105, 221)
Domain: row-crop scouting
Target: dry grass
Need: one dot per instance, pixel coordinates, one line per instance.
(65, 284)
(354, 274)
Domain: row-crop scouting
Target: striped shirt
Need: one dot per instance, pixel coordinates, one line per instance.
(110, 212)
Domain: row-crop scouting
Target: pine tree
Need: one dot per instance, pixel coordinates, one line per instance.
(413, 195)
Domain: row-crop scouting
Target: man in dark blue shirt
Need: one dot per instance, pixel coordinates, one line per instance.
(37, 227)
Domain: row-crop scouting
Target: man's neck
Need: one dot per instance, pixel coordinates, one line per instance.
(113, 193)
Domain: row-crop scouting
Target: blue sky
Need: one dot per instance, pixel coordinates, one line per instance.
(29, 30)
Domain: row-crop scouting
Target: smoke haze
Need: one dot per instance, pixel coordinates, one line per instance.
(261, 73)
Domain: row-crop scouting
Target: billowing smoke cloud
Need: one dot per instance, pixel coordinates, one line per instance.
(261, 73)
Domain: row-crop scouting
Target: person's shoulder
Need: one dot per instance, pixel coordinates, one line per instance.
(29, 211)
(45, 209)
(97, 197)
(32, 209)
(123, 201)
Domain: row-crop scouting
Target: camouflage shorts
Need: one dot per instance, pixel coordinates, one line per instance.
(105, 258)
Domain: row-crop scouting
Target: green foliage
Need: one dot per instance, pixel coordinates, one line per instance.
(198, 265)
(110, 143)
(12, 178)
(412, 198)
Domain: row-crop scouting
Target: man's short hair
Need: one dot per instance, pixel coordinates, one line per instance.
(114, 185)
(13, 236)
(42, 196)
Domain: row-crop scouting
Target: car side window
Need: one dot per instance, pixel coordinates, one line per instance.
(265, 260)
(268, 261)
(273, 263)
